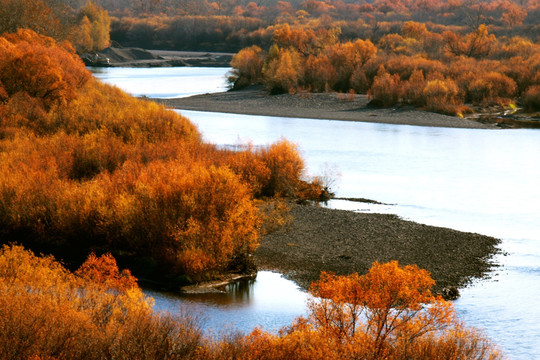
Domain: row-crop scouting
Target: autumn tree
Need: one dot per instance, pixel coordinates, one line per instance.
(513, 14)
(93, 29)
(282, 72)
(385, 313)
(104, 271)
(491, 88)
(442, 95)
(35, 15)
(348, 57)
(34, 65)
(413, 88)
(388, 313)
(319, 74)
(286, 169)
(414, 30)
(477, 44)
(386, 88)
(247, 67)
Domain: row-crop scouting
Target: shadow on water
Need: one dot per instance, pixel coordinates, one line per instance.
(237, 293)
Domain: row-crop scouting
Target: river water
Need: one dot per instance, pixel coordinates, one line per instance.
(483, 181)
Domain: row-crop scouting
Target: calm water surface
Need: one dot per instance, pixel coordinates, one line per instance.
(166, 82)
(484, 181)
(271, 301)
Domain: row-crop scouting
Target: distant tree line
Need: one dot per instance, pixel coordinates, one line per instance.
(231, 25)
(417, 66)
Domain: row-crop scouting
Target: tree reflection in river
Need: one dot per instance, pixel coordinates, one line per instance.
(270, 301)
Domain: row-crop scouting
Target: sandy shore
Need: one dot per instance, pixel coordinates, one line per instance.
(329, 106)
(345, 242)
(136, 57)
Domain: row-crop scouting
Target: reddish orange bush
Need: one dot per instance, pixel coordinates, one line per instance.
(34, 65)
(388, 313)
(247, 67)
(50, 313)
(103, 271)
(386, 88)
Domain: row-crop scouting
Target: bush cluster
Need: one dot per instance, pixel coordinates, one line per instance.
(97, 312)
(443, 72)
(86, 166)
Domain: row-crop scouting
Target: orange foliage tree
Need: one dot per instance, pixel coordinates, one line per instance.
(386, 88)
(282, 72)
(35, 15)
(477, 44)
(387, 306)
(441, 95)
(388, 313)
(319, 74)
(247, 67)
(93, 32)
(346, 58)
(104, 271)
(34, 65)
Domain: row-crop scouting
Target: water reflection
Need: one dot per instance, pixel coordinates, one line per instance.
(270, 301)
(239, 293)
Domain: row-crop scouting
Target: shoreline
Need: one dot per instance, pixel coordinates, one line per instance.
(143, 58)
(321, 106)
(254, 100)
(344, 242)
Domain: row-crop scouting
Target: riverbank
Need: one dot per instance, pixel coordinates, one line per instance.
(329, 106)
(136, 57)
(321, 239)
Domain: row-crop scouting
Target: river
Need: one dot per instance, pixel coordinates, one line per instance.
(483, 181)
